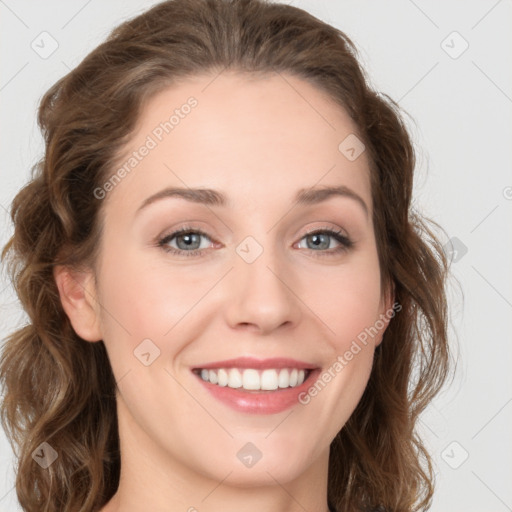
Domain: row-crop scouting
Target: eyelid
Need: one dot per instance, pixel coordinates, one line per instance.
(336, 229)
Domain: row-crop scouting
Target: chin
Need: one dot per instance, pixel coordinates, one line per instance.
(254, 467)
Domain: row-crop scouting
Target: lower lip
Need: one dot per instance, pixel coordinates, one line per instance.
(262, 402)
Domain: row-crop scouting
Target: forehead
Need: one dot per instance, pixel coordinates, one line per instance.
(257, 137)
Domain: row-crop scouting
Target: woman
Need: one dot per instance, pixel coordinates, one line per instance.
(232, 304)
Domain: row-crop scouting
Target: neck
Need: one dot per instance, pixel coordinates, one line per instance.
(152, 480)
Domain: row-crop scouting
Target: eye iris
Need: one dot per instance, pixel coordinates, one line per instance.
(190, 238)
(317, 238)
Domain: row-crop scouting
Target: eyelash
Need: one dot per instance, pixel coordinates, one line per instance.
(344, 241)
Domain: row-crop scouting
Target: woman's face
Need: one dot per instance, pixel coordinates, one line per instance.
(245, 279)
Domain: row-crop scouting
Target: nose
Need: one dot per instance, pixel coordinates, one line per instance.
(260, 296)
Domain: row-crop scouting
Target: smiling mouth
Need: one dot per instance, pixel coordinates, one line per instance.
(251, 379)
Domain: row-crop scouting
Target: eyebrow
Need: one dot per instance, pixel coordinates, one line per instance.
(210, 197)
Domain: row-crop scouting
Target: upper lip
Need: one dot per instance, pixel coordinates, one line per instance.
(251, 362)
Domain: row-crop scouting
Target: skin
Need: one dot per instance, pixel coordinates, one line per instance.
(258, 140)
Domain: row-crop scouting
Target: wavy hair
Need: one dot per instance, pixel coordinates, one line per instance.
(60, 389)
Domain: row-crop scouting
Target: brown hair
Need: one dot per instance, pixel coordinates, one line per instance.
(61, 390)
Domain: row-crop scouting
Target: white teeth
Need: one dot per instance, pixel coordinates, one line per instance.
(250, 379)
(234, 378)
(223, 377)
(212, 375)
(269, 380)
(254, 380)
(283, 379)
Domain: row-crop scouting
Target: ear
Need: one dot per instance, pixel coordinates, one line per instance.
(77, 291)
(386, 311)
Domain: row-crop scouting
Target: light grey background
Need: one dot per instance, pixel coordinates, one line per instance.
(461, 104)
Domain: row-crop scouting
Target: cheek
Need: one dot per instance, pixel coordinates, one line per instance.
(143, 298)
(350, 310)
(135, 305)
(347, 299)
